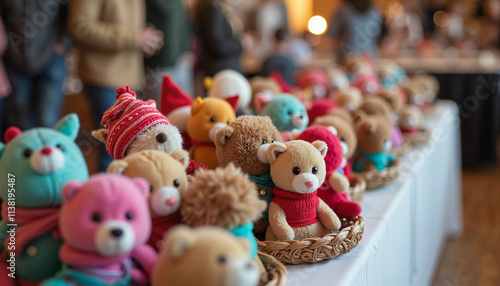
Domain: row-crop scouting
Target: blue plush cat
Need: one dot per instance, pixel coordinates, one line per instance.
(34, 165)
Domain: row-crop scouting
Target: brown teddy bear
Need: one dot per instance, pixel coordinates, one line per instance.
(392, 98)
(168, 183)
(410, 119)
(205, 255)
(244, 143)
(374, 105)
(264, 86)
(223, 197)
(350, 98)
(296, 212)
(374, 144)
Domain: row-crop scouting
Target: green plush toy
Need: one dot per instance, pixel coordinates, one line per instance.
(34, 165)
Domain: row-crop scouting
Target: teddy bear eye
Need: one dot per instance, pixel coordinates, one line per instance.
(60, 147)
(27, 153)
(150, 189)
(296, 170)
(177, 183)
(314, 170)
(228, 122)
(212, 119)
(273, 141)
(96, 217)
(264, 141)
(343, 138)
(129, 216)
(290, 112)
(222, 259)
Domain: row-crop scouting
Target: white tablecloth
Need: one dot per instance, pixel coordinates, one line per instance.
(406, 223)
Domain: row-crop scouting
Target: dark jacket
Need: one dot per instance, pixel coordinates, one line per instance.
(170, 17)
(220, 48)
(33, 28)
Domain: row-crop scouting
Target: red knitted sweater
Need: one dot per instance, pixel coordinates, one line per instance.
(300, 209)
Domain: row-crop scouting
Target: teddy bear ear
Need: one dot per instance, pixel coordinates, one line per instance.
(370, 127)
(11, 133)
(333, 130)
(274, 150)
(100, 135)
(295, 134)
(222, 135)
(117, 167)
(177, 241)
(359, 115)
(196, 105)
(208, 83)
(321, 146)
(143, 186)
(68, 125)
(182, 156)
(70, 189)
(260, 101)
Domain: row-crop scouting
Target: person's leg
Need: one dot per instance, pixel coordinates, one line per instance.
(48, 93)
(18, 106)
(101, 99)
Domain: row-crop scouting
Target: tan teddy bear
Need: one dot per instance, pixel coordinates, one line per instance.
(410, 119)
(296, 212)
(206, 255)
(393, 98)
(349, 98)
(374, 105)
(168, 183)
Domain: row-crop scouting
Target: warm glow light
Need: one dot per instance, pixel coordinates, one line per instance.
(317, 25)
(441, 19)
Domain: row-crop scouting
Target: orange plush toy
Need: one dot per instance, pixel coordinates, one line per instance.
(207, 116)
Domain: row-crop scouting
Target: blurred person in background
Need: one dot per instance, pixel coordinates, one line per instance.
(111, 40)
(218, 32)
(35, 61)
(271, 15)
(174, 59)
(5, 88)
(356, 28)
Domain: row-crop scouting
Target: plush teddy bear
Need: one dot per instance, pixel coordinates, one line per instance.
(410, 119)
(244, 143)
(296, 212)
(334, 189)
(391, 74)
(266, 86)
(168, 183)
(133, 125)
(338, 79)
(223, 197)
(320, 107)
(175, 104)
(207, 116)
(228, 83)
(204, 256)
(393, 98)
(105, 223)
(349, 98)
(314, 84)
(374, 144)
(345, 133)
(34, 165)
(286, 112)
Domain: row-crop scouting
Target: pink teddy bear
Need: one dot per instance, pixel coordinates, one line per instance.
(105, 223)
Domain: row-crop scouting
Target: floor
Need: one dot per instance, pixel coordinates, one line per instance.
(472, 259)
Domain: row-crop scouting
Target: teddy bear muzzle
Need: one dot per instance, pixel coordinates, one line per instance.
(216, 127)
(262, 153)
(241, 272)
(300, 120)
(305, 183)
(47, 160)
(114, 237)
(165, 200)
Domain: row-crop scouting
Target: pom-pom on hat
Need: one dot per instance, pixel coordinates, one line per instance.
(128, 118)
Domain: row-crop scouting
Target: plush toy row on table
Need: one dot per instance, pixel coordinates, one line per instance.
(276, 174)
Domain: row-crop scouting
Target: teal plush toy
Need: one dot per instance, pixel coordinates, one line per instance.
(286, 112)
(34, 165)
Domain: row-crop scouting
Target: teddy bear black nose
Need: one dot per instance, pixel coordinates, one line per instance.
(117, 232)
(161, 138)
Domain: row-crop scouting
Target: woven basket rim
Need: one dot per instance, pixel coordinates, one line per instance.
(328, 246)
(357, 192)
(276, 271)
(377, 179)
(420, 138)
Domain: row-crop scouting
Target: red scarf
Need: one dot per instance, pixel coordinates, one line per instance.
(32, 223)
(161, 225)
(410, 130)
(300, 209)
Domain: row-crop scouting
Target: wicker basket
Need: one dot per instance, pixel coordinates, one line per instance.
(418, 138)
(377, 179)
(401, 150)
(273, 272)
(358, 188)
(316, 249)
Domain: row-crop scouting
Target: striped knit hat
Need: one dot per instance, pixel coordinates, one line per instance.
(128, 118)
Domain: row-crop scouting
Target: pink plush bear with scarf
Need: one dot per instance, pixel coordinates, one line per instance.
(105, 223)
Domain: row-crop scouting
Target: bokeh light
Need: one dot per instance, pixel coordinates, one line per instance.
(317, 25)
(441, 19)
